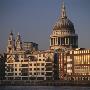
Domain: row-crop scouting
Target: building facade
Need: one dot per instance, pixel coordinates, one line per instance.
(75, 64)
(30, 47)
(21, 65)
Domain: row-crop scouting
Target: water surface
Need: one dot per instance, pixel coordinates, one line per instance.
(43, 88)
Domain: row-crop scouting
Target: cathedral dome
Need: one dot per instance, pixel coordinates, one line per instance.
(63, 23)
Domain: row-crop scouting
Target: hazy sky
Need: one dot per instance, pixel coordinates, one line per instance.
(34, 20)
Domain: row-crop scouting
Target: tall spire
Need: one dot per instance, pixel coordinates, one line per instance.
(18, 42)
(63, 11)
(11, 43)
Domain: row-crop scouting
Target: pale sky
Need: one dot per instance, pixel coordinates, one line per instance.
(34, 19)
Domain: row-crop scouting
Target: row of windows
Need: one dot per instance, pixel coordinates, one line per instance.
(26, 74)
(81, 73)
(81, 51)
(25, 69)
(82, 67)
(36, 69)
(63, 32)
(38, 73)
(78, 78)
(37, 64)
(31, 64)
(84, 59)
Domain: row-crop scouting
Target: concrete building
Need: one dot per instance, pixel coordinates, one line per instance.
(75, 64)
(30, 47)
(80, 66)
(21, 65)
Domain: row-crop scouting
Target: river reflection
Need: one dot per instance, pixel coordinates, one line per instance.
(43, 88)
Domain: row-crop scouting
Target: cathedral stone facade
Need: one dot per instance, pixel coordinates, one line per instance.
(63, 34)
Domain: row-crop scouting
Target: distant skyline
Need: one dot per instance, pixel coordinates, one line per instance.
(34, 20)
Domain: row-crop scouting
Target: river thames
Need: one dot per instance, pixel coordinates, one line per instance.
(43, 88)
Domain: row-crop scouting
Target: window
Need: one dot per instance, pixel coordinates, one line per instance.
(24, 65)
(59, 41)
(30, 69)
(42, 68)
(30, 64)
(42, 64)
(15, 65)
(15, 69)
(30, 73)
(34, 73)
(21, 60)
(35, 64)
(42, 73)
(62, 41)
(51, 41)
(39, 59)
(38, 68)
(38, 64)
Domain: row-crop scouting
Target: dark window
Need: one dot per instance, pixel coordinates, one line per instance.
(51, 41)
(42, 73)
(38, 68)
(59, 41)
(24, 65)
(39, 59)
(34, 73)
(30, 64)
(62, 41)
(42, 64)
(38, 64)
(42, 68)
(34, 64)
(30, 69)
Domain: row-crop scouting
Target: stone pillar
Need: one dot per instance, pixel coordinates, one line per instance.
(50, 41)
(55, 41)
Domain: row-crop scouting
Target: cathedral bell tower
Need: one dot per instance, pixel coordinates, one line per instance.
(18, 43)
(11, 43)
(63, 34)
